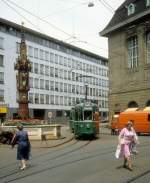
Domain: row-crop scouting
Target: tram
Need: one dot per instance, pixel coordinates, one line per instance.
(85, 119)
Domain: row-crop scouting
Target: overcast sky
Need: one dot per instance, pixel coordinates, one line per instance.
(71, 21)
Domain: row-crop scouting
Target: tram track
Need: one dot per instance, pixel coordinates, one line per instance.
(135, 178)
(43, 154)
(108, 150)
(49, 159)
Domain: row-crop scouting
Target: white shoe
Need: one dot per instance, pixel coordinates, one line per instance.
(23, 168)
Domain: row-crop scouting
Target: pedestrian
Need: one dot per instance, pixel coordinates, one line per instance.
(23, 146)
(127, 138)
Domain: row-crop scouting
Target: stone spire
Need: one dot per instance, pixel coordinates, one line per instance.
(23, 66)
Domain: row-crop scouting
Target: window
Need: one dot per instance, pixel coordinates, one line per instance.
(31, 98)
(17, 47)
(57, 100)
(47, 99)
(61, 100)
(52, 99)
(30, 51)
(36, 68)
(1, 60)
(131, 9)
(1, 95)
(41, 98)
(56, 58)
(52, 85)
(132, 52)
(52, 71)
(65, 100)
(1, 78)
(56, 72)
(46, 70)
(60, 60)
(36, 83)
(41, 69)
(65, 74)
(31, 82)
(41, 83)
(36, 52)
(31, 66)
(61, 87)
(51, 57)
(36, 98)
(56, 86)
(69, 101)
(69, 88)
(61, 73)
(47, 55)
(1, 43)
(73, 88)
(147, 2)
(148, 47)
(41, 54)
(47, 84)
(65, 87)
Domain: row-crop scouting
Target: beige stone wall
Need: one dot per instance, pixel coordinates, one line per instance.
(126, 84)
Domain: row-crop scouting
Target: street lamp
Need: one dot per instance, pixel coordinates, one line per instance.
(90, 4)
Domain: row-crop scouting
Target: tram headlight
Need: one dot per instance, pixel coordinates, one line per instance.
(88, 126)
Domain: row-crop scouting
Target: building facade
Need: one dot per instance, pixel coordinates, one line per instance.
(58, 76)
(128, 35)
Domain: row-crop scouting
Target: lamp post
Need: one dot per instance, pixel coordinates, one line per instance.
(86, 84)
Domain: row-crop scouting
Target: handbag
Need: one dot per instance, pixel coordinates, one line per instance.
(118, 150)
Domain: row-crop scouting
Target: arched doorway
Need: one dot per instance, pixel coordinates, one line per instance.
(148, 103)
(132, 104)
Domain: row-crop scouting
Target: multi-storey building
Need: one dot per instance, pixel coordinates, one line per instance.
(128, 35)
(58, 77)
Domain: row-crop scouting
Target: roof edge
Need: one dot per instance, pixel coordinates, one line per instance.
(105, 32)
(44, 36)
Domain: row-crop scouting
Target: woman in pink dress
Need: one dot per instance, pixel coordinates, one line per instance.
(126, 137)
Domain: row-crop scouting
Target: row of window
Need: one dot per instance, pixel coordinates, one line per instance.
(133, 53)
(73, 64)
(61, 60)
(58, 100)
(71, 76)
(65, 87)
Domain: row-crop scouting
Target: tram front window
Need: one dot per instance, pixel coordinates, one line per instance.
(87, 115)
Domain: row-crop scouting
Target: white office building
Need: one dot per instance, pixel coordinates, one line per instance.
(59, 74)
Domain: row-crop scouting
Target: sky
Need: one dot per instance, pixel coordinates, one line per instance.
(71, 21)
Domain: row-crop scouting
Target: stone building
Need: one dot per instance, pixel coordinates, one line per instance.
(128, 35)
(56, 78)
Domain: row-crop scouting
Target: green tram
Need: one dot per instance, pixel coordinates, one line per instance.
(85, 119)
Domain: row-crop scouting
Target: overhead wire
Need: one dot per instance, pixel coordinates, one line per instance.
(32, 14)
(71, 36)
(21, 15)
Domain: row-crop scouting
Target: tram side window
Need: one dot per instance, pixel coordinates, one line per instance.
(148, 117)
(87, 115)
